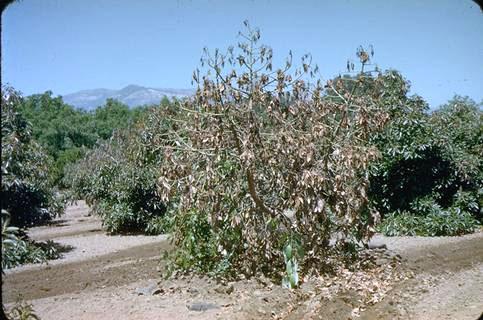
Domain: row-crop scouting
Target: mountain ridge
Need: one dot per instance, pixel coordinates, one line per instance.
(131, 95)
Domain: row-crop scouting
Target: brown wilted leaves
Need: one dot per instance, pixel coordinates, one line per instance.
(255, 144)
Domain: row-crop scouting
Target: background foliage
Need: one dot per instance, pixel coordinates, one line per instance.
(66, 133)
(430, 175)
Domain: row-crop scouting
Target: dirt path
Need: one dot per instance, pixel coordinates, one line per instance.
(96, 260)
(114, 277)
(448, 282)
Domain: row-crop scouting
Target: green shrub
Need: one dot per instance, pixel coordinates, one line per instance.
(198, 251)
(451, 222)
(401, 224)
(17, 249)
(118, 178)
(160, 224)
(470, 202)
(27, 189)
(427, 218)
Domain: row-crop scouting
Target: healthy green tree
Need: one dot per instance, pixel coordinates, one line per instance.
(458, 125)
(428, 181)
(27, 193)
(118, 177)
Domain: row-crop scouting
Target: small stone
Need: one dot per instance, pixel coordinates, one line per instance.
(380, 261)
(202, 306)
(376, 244)
(147, 291)
(157, 291)
(230, 289)
(220, 289)
(263, 281)
(193, 290)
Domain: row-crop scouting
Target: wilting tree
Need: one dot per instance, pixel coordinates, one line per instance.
(262, 163)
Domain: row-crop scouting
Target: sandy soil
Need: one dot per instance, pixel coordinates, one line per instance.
(119, 277)
(448, 282)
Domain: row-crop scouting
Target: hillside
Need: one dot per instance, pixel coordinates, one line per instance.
(132, 95)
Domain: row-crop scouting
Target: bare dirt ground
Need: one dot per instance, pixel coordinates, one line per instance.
(119, 277)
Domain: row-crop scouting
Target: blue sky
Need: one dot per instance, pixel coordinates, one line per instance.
(68, 45)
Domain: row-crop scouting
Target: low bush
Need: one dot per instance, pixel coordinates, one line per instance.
(199, 251)
(21, 310)
(17, 249)
(451, 222)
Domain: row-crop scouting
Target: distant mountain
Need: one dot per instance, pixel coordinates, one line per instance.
(132, 95)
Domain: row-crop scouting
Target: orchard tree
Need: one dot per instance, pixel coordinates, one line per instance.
(263, 169)
(27, 191)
